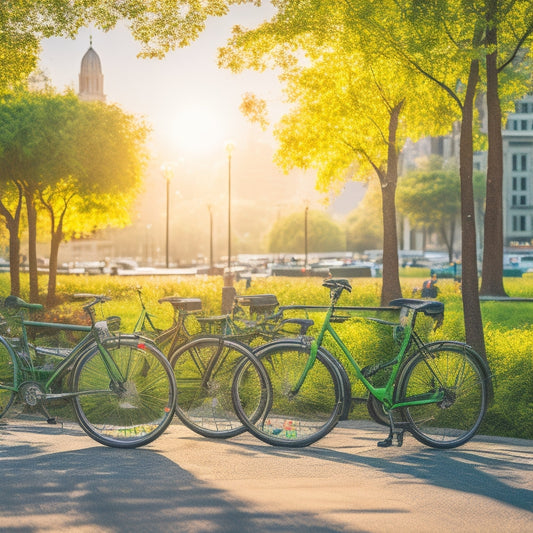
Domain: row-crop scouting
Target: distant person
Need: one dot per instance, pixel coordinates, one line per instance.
(429, 289)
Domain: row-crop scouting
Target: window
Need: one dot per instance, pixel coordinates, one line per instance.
(523, 124)
(519, 162)
(523, 200)
(514, 200)
(515, 183)
(519, 223)
(523, 184)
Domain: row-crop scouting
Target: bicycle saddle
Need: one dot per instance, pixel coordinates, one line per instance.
(428, 307)
(15, 303)
(183, 304)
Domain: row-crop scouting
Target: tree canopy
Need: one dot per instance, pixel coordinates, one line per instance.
(81, 162)
(353, 105)
(431, 199)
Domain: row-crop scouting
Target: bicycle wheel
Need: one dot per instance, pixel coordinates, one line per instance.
(204, 369)
(455, 370)
(142, 407)
(7, 377)
(292, 419)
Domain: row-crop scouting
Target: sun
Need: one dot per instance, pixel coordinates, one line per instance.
(196, 129)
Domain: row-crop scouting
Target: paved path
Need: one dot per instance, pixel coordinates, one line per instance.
(55, 479)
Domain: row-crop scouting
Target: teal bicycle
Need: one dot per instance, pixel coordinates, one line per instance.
(437, 391)
(122, 387)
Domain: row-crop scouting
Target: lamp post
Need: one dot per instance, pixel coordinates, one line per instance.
(229, 149)
(168, 173)
(228, 290)
(305, 236)
(211, 266)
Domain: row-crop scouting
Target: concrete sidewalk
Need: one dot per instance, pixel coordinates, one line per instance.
(56, 479)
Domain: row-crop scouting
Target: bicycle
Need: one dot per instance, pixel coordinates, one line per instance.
(261, 321)
(204, 352)
(440, 390)
(122, 387)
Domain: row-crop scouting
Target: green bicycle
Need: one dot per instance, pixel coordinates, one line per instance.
(205, 351)
(437, 391)
(121, 386)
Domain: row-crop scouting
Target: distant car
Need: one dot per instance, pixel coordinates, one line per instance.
(451, 270)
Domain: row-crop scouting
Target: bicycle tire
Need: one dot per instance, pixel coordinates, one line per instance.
(204, 369)
(293, 420)
(7, 377)
(459, 372)
(138, 413)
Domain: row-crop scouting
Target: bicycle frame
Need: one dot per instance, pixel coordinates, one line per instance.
(95, 335)
(384, 394)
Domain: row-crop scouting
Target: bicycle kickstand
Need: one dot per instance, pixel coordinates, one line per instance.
(49, 419)
(393, 431)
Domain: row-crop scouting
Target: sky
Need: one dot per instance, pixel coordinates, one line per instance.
(192, 105)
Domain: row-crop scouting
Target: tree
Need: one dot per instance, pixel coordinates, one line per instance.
(160, 26)
(441, 41)
(353, 107)
(66, 154)
(509, 28)
(11, 211)
(432, 199)
(288, 234)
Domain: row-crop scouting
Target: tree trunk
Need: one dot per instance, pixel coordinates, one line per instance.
(32, 245)
(470, 289)
(448, 241)
(13, 226)
(14, 257)
(57, 237)
(492, 269)
(391, 288)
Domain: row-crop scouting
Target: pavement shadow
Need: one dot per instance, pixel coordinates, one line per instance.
(105, 489)
(494, 472)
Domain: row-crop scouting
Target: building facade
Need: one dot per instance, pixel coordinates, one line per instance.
(518, 175)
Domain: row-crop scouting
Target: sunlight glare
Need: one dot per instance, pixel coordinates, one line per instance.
(196, 129)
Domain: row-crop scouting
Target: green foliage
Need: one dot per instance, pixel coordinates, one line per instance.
(511, 361)
(323, 234)
(80, 162)
(508, 333)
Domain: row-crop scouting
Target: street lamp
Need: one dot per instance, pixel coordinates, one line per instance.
(167, 170)
(229, 149)
(305, 235)
(211, 267)
(228, 290)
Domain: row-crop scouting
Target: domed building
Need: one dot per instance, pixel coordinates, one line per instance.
(91, 78)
